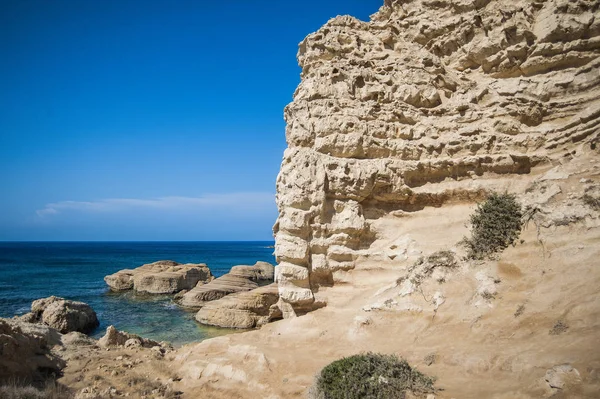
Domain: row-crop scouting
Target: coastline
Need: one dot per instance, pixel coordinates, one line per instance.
(75, 270)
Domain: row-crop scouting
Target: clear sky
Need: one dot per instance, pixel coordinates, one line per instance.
(148, 120)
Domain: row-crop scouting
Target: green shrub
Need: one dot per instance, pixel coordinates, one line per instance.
(370, 375)
(495, 225)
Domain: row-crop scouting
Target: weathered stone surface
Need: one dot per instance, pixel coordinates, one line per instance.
(259, 273)
(63, 315)
(416, 108)
(25, 352)
(77, 339)
(162, 277)
(562, 375)
(216, 289)
(121, 280)
(240, 278)
(114, 337)
(246, 309)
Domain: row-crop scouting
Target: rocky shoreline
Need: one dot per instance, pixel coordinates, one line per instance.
(55, 328)
(195, 287)
(36, 355)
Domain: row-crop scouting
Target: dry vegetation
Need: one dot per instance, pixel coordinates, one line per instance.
(495, 225)
(370, 376)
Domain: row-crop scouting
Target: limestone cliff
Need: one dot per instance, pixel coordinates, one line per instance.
(423, 105)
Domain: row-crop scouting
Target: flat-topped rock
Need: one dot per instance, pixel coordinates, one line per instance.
(240, 278)
(162, 277)
(247, 309)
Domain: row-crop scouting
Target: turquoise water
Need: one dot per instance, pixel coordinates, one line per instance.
(75, 270)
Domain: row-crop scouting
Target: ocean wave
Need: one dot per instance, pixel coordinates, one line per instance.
(23, 310)
(168, 305)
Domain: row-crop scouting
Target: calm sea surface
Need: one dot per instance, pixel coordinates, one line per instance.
(75, 270)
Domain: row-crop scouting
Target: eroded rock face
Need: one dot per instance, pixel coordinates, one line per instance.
(63, 315)
(240, 278)
(162, 277)
(246, 309)
(260, 272)
(25, 352)
(414, 109)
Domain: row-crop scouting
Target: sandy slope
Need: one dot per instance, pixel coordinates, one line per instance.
(479, 347)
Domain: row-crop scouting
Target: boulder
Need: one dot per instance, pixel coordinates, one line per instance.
(246, 309)
(240, 278)
(114, 337)
(162, 277)
(260, 273)
(63, 315)
(216, 289)
(25, 352)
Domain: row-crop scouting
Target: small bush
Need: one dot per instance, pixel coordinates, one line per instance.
(495, 225)
(370, 375)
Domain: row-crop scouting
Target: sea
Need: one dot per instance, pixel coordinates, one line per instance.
(75, 270)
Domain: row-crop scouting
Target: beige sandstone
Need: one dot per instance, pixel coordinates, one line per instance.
(162, 277)
(62, 314)
(25, 352)
(419, 107)
(240, 278)
(465, 322)
(246, 309)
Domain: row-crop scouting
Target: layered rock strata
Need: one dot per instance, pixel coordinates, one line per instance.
(247, 309)
(162, 277)
(240, 278)
(416, 108)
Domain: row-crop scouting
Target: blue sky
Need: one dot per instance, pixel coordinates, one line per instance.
(147, 120)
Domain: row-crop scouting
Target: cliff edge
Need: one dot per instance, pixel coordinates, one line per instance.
(430, 102)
